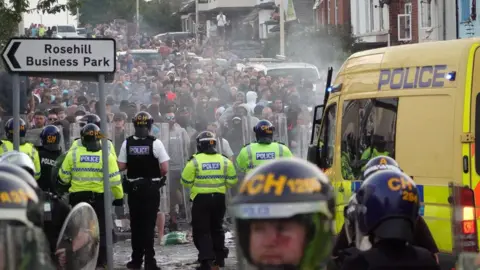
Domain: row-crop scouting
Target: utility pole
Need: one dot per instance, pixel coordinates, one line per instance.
(282, 27)
(197, 25)
(138, 16)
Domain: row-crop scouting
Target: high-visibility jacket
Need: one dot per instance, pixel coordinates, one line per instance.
(78, 142)
(208, 173)
(82, 169)
(255, 154)
(26, 148)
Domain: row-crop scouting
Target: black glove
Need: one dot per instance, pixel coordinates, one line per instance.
(163, 181)
(118, 202)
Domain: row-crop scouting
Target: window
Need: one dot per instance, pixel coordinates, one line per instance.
(404, 24)
(336, 12)
(327, 134)
(426, 13)
(368, 130)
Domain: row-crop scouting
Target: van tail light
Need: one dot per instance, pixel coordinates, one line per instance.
(465, 220)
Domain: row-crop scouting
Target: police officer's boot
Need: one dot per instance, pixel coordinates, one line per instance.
(134, 265)
(151, 265)
(207, 265)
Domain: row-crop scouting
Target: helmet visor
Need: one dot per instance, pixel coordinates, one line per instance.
(279, 210)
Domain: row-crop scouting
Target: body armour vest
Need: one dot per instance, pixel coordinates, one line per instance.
(47, 162)
(140, 159)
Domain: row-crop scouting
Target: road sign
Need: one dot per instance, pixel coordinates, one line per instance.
(32, 56)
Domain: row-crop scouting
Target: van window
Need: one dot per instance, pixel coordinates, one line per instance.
(368, 130)
(327, 134)
(65, 29)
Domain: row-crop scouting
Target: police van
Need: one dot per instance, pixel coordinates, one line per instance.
(418, 104)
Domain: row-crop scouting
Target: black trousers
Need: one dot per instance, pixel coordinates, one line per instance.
(208, 211)
(143, 202)
(96, 201)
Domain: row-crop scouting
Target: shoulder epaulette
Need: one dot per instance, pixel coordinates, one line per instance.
(224, 155)
(246, 144)
(191, 157)
(281, 143)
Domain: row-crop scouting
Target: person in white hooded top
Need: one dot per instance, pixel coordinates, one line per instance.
(251, 101)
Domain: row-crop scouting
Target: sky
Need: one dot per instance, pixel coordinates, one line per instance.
(62, 18)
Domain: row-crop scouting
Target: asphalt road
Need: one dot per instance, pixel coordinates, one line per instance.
(169, 257)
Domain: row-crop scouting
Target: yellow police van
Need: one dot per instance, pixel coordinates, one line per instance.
(418, 104)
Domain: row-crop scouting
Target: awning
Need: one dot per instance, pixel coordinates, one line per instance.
(251, 17)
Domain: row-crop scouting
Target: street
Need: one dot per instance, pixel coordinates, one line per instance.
(169, 257)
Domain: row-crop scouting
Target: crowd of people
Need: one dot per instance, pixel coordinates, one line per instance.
(175, 87)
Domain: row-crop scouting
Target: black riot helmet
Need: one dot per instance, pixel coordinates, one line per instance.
(380, 163)
(89, 119)
(285, 199)
(22, 203)
(91, 136)
(20, 165)
(9, 130)
(206, 143)
(142, 122)
(264, 131)
(51, 138)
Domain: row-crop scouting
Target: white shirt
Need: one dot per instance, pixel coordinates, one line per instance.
(159, 151)
(221, 20)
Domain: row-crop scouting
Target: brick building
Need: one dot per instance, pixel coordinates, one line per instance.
(332, 12)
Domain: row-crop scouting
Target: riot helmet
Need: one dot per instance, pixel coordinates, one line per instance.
(264, 131)
(19, 202)
(9, 130)
(206, 143)
(285, 200)
(380, 163)
(20, 159)
(388, 205)
(51, 138)
(142, 122)
(89, 119)
(90, 136)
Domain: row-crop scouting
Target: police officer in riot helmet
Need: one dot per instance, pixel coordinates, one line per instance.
(380, 163)
(264, 149)
(387, 211)
(49, 151)
(343, 243)
(54, 210)
(25, 147)
(20, 208)
(280, 226)
(89, 139)
(146, 162)
(208, 175)
(89, 119)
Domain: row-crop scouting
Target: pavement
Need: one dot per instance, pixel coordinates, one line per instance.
(169, 257)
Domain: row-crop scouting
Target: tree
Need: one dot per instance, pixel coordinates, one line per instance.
(158, 16)
(11, 14)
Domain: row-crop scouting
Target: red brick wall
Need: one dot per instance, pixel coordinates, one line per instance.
(398, 7)
(343, 12)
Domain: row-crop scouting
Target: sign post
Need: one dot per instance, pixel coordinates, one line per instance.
(70, 59)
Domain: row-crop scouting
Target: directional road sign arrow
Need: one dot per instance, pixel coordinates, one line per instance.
(11, 54)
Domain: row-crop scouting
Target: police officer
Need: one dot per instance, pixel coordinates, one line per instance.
(263, 150)
(208, 174)
(422, 237)
(19, 207)
(387, 212)
(48, 152)
(54, 209)
(90, 119)
(284, 214)
(82, 170)
(146, 162)
(25, 147)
